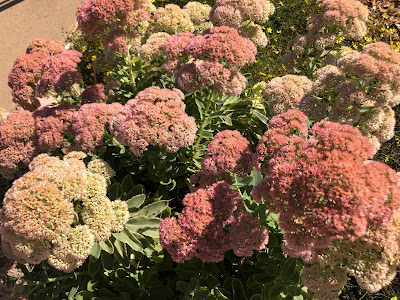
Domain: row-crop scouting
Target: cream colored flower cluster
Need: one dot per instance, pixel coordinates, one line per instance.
(170, 20)
(58, 210)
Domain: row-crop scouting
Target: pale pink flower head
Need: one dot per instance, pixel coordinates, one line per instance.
(154, 117)
(36, 208)
(152, 49)
(284, 93)
(172, 19)
(233, 12)
(93, 94)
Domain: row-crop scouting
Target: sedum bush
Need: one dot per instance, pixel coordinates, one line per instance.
(151, 159)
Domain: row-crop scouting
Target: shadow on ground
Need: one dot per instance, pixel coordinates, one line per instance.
(8, 3)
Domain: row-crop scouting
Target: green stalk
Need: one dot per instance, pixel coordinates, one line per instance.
(202, 125)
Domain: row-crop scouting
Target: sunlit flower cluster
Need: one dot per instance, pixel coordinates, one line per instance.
(324, 188)
(57, 210)
(211, 223)
(155, 117)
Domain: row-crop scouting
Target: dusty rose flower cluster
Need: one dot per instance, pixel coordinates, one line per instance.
(46, 67)
(24, 134)
(211, 223)
(325, 188)
(17, 142)
(89, 122)
(117, 22)
(215, 57)
(52, 124)
(228, 152)
(245, 16)
(343, 17)
(93, 94)
(96, 16)
(155, 117)
(37, 219)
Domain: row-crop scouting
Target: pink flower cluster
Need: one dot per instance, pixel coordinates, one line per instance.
(115, 21)
(211, 223)
(53, 124)
(233, 13)
(94, 16)
(322, 187)
(44, 68)
(228, 152)
(24, 134)
(377, 62)
(93, 94)
(155, 117)
(89, 122)
(215, 57)
(17, 142)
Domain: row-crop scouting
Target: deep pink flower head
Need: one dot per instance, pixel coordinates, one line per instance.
(93, 94)
(48, 47)
(23, 77)
(323, 188)
(202, 230)
(89, 121)
(52, 124)
(17, 133)
(94, 15)
(222, 44)
(53, 67)
(154, 117)
(228, 152)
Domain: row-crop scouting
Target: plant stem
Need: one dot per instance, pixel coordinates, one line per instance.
(202, 125)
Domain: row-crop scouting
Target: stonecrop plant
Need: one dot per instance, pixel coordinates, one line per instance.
(147, 160)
